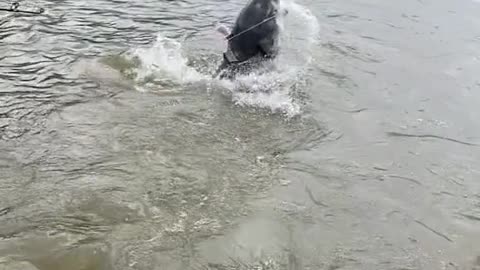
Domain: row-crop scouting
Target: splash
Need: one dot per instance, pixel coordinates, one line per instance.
(163, 64)
(268, 91)
(300, 29)
(273, 89)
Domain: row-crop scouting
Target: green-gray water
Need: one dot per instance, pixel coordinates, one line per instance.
(361, 149)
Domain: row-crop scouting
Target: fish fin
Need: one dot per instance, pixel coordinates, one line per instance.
(222, 29)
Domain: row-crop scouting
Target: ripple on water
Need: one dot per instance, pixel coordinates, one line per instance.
(100, 176)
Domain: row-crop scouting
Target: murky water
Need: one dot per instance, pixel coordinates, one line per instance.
(358, 150)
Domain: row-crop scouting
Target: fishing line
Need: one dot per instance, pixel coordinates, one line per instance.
(252, 27)
(256, 25)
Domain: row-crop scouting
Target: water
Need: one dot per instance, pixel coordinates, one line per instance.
(358, 149)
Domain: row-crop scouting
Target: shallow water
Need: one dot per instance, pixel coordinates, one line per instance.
(359, 150)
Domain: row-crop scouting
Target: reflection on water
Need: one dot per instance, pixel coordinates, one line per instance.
(118, 151)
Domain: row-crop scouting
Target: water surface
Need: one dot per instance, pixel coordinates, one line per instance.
(358, 150)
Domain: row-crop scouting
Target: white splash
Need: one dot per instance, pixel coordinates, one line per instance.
(269, 90)
(165, 60)
(272, 90)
